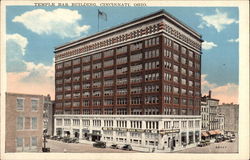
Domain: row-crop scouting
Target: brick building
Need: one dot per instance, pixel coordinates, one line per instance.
(150, 66)
(24, 122)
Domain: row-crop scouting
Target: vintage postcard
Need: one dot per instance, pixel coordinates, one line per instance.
(127, 80)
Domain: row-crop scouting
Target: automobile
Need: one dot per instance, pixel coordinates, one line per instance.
(99, 144)
(127, 147)
(207, 141)
(73, 140)
(66, 139)
(217, 140)
(114, 146)
(201, 144)
(231, 140)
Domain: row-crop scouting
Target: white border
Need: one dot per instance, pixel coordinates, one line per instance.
(243, 91)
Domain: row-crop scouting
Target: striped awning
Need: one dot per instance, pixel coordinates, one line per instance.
(204, 134)
(217, 131)
(212, 132)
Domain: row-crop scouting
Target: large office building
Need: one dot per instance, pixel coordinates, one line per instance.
(147, 70)
(24, 122)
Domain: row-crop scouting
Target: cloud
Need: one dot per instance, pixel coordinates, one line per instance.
(208, 45)
(62, 22)
(227, 93)
(24, 76)
(15, 50)
(219, 20)
(233, 40)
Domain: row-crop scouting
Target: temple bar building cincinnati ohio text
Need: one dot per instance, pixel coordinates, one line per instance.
(138, 83)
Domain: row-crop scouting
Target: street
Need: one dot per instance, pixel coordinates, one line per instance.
(222, 147)
(58, 146)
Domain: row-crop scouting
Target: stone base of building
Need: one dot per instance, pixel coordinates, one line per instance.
(145, 133)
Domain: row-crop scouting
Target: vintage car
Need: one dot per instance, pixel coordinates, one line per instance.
(99, 144)
(127, 147)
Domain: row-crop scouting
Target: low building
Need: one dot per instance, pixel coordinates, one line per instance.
(231, 113)
(212, 121)
(142, 132)
(24, 122)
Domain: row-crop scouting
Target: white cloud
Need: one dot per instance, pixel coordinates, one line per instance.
(23, 76)
(219, 20)
(233, 40)
(19, 40)
(15, 50)
(208, 45)
(227, 93)
(62, 22)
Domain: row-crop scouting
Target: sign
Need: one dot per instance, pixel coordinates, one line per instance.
(169, 131)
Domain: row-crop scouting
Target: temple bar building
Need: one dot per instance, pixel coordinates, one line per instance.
(147, 68)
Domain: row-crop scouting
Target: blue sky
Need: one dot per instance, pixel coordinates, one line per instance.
(43, 28)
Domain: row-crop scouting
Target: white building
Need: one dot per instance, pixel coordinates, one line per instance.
(142, 132)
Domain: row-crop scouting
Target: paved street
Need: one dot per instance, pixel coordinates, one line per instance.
(58, 146)
(222, 147)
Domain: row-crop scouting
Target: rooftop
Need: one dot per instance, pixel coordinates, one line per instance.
(160, 13)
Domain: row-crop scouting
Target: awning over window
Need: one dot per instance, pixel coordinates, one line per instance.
(212, 132)
(217, 131)
(204, 134)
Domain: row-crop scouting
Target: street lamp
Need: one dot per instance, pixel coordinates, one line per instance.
(45, 149)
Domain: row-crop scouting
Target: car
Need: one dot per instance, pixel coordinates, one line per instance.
(217, 140)
(231, 140)
(114, 146)
(66, 139)
(99, 144)
(127, 147)
(201, 144)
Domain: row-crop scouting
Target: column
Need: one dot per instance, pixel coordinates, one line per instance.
(71, 129)
(143, 134)
(80, 129)
(56, 126)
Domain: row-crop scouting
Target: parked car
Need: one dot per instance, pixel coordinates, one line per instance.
(201, 144)
(73, 140)
(231, 140)
(127, 147)
(114, 146)
(207, 142)
(217, 140)
(99, 144)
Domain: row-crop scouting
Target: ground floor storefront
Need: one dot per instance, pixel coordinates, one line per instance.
(144, 132)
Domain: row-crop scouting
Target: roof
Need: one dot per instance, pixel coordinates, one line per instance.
(160, 13)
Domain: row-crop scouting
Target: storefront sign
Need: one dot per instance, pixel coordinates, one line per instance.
(169, 131)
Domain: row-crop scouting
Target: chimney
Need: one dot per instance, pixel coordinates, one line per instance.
(209, 93)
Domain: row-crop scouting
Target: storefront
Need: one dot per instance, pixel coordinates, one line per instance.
(76, 133)
(204, 135)
(59, 132)
(183, 138)
(197, 136)
(96, 135)
(190, 137)
(85, 133)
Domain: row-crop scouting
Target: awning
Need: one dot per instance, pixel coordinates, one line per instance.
(204, 134)
(212, 132)
(217, 131)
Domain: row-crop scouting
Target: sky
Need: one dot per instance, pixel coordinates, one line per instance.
(33, 33)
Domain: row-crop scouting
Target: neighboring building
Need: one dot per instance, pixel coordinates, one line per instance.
(48, 115)
(231, 113)
(24, 122)
(149, 66)
(212, 121)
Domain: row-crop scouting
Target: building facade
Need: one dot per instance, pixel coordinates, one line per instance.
(231, 113)
(142, 132)
(213, 122)
(24, 122)
(149, 66)
(48, 121)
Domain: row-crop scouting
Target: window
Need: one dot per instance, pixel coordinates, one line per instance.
(136, 46)
(152, 53)
(121, 101)
(167, 88)
(121, 60)
(121, 50)
(20, 103)
(97, 66)
(151, 65)
(33, 141)
(152, 42)
(108, 82)
(136, 57)
(19, 142)
(151, 99)
(20, 123)
(167, 65)
(34, 123)
(176, 46)
(136, 79)
(34, 104)
(176, 100)
(108, 63)
(86, 59)
(167, 53)
(108, 53)
(167, 77)
(136, 68)
(97, 56)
